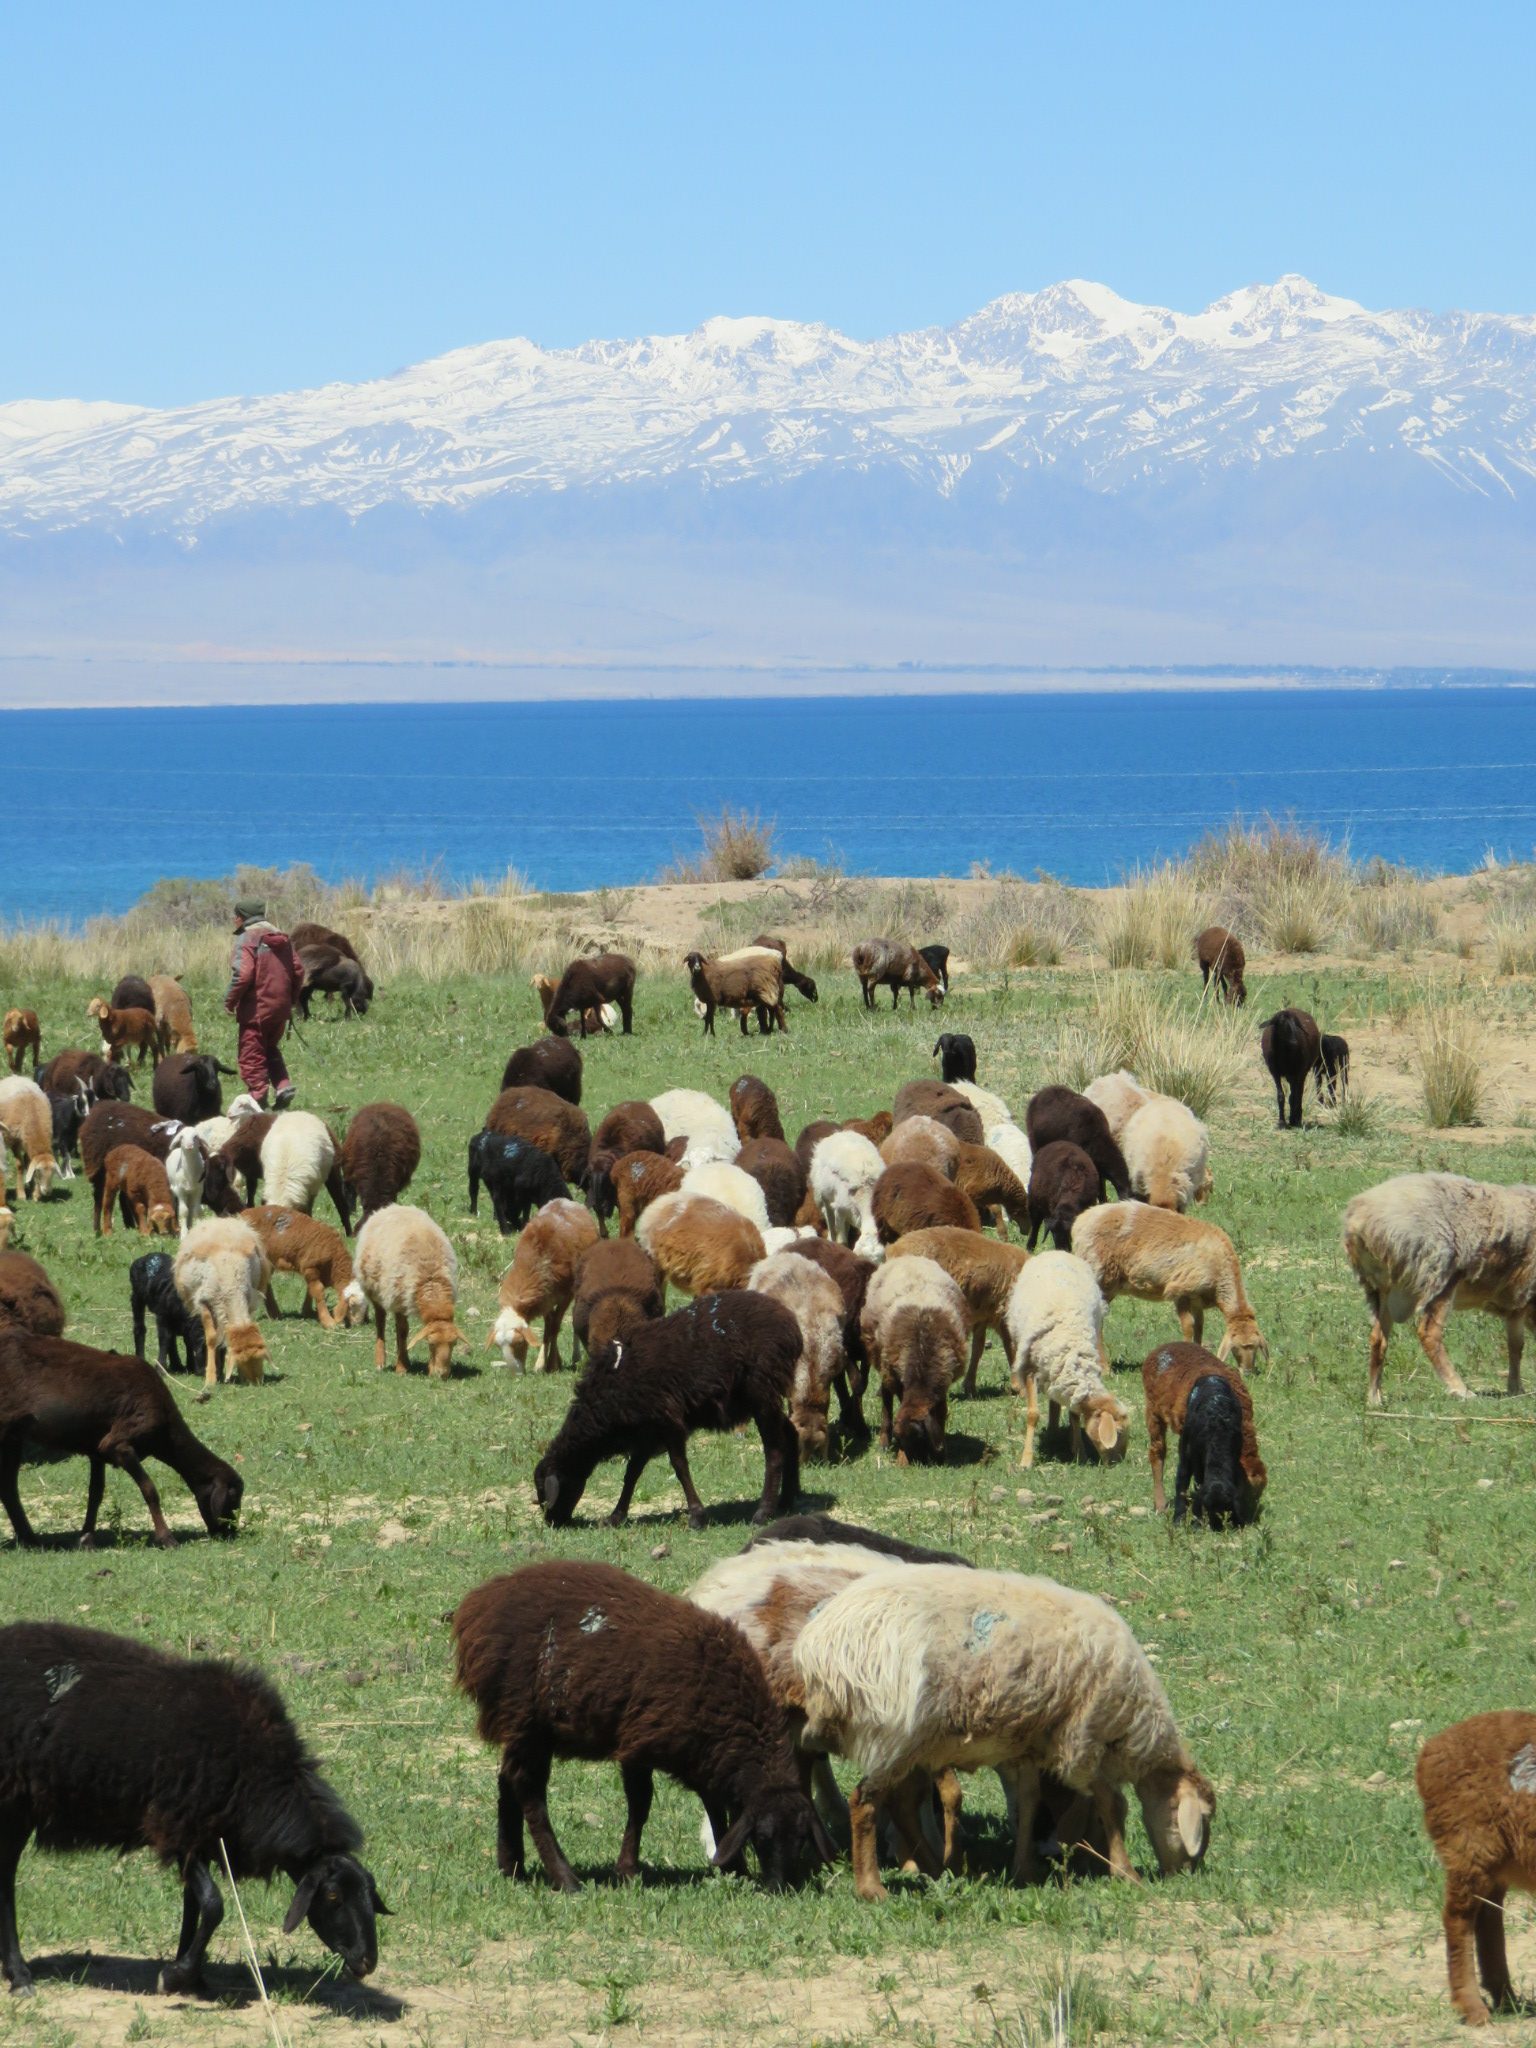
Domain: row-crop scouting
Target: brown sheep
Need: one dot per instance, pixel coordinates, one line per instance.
(586, 985)
(296, 1243)
(122, 1029)
(640, 1178)
(946, 1105)
(755, 983)
(876, 1128)
(240, 1153)
(28, 1297)
(779, 1174)
(1291, 1045)
(993, 1186)
(884, 963)
(19, 1035)
(554, 1063)
(699, 1245)
(916, 1198)
(1064, 1184)
(793, 978)
(379, 1155)
(1218, 952)
(539, 1284)
(173, 1012)
(1169, 1374)
(754, 1109)
(1159, 1255)
(916, 1331)
(617, 1289)
(593, 1022)
(628, 1127)
(136, 1180)
(853, 1275)
(811, 1136)
(983, 1270)
(1476, 1780)
(547, 1121)
(923, 1141)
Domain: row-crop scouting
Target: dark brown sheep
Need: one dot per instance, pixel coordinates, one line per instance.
(1219, 952)
(793, 978)
(1218, 1448)
(754, 1109)
(111, 1124)
(1061, 1113)
(639, 1178)
(956, 1054)
(132, 992)
(589, 983)
(28, 1298)
(554, 1063)
(628, 1127)
(548, 1121)
(779, 1174)
(885, 963)
(617, 1289)
(186, 1086)
(240, 1153)
(1292, 1045)
(913, 1197)
(71, 1070)
(1063, 1182)
(307, 933)
(380, 1154)
(944, 1104)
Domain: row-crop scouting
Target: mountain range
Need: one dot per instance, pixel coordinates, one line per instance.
(1063, 478)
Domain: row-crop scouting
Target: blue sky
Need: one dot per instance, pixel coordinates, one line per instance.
(215, 198)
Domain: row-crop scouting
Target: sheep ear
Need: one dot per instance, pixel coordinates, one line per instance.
(727, 1850)
(303, 1899)
(1191, 1823)
(826, 1848)
(376, 1902)
(1225, 1346)
(551, 1492)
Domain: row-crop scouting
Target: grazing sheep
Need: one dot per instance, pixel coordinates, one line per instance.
(754, 1109)
(581, 1660)
(548, 1121)
(554, 1063)
(135, 1180)
(132, 992)
(240, 1152)
(1064, 1184)
(296, 1243)
(307, 933)
(1291, 1045)
(1476, 1780)
(152, 1292)
(20, 1034)
(1158, 1255)
(639, 1179)
(815, 1301)
(628, 1127)
(730, 1185)
(26, 1123)
(404, 1266)
(1331, 1074)
(539, 1284)
(916, 1331)
(28, 1298)
(793, 978)
(923, 1141)
(124, 1029)
(1000, 1196)
(173, 1012)
(938, 959)
(186, 1175)
(783, 1180)
(707, 1130)
(518, 1178)
(63, 1399)
(222, 1272)
(70, 1071)
(588, 986)
(329, 973)
(944, 1104)
(594, 1022)
(1119, 1095)
(753, 982)
(66, 1113)
(379, 1155)
(298, 1159)
(111, 1124)
(983, 1270)
(844, 1170)
(726, 1359)
(1056, 1327)
(923, 1666)
(956, 1054)
(885, 963)
(876, 1128)
(1010, 1145)
(811, 1135)
(1061, 1113)
(107, 1743)
(699, 1244)
(1423, 1244)
(1218, 952)
(186, 1086)
(1209, 1409)
(852, 1275)
(617, 1289)
(1167, 1154)
(913, 1197)
(989, 1107)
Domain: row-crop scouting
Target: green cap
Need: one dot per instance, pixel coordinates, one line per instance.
(250, 906)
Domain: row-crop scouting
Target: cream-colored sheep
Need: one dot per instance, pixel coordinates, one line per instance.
(1012, 1147)
(815, 1301)
(922, 1141)
(983, 1269)
(539, 1284)
(26, 1121)
(728, 1184)
(1167, 1153)
(916, 1333)
(699, 1245)
(989, 1107)
(1056, 1326)
(298, 1158)
(710, 1130)
(222, 1273)
(845, 1166)
(1157, 1255)
(405, 1266)
(1119, 1095)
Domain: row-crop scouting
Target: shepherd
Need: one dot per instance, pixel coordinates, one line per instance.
(263, 986)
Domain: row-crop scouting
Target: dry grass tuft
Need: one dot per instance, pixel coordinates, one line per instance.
(1394, 915)
(1179, 1045)
(1023, 925)
(1452, 1051)
(737, 847)
(1152, 922)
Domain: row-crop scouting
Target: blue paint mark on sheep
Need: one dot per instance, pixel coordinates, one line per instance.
(983, 1623)
(1164, 1360)
(1522, 1769)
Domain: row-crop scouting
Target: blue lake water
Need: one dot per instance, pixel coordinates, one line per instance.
(100, 804)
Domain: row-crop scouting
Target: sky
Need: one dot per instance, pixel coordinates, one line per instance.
(208, 199)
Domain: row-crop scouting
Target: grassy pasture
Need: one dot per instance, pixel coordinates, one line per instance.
(1385, 1592)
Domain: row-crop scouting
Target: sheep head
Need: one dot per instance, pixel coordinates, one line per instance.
(439, 1334)
(514, 1337)
(1177, 1804)
(245, 1354)
(96, 1007)
(353, 1303)
(1105, 1421)
(1243, 1343)
(37, 1179)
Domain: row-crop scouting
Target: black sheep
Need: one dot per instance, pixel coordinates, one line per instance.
(106, 1743)
(1292, 1046)
(553, 1063)
(1331, 1074)
(68, 1072)
(956, 1054)
(1063, 1182)
(1210, 1449)
(827, 1529)
(938, 959)
(793, 978)
(518, 1177)
(726, 1359)
(327, 972)
(133, 992)
(186, 1086)
(152, 1292)
(69, 1113)
(1058, 1112)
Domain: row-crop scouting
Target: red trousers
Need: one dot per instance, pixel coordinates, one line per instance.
(261, 1056)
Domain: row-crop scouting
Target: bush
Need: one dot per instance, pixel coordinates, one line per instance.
(1452, 1058)
(738, 847)
(1153, 920)
(1021, 926)
(1513, 933)
(1193, 1050)
(1395, 916)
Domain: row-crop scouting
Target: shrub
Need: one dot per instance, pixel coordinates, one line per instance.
(737, 847)
(1452, 1059)
(1191, 1049)
(1513, 932)
(1021, 925)
(1395, 916)
(1153, 919)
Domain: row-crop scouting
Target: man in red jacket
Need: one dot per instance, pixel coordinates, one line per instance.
(261, 993)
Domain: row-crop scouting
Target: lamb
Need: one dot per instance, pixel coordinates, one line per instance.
(617, 1289)
(135, 1180)
(923, 1666)
(956, 1054)
(1064, 1184)
(887, 963)
(993, 1186)
(186, 1175)
(639, 1179)
(406, 1265)
(596, 1021)
(109, 1125)
(916, 1333)
(923, 1141)
(518, 1178)
(730, 1185)
(548, 1121)
(28, 1298)
(221, 1271)
(107, 1743)
(628, 1127)
(121, 1029)
(726, 1359)
(589, 985)
(699, 1245)
(21, 1034)
(1331, 1074)
(1291, 1045)
(1061, 1113)
(296, 1243)
(1167, 1154)
(539, 1284)
(706, 1129)
(1210, 1410)
(944, 1104)
(63, 1399)
(186, 1086)
(1056, 1327)
(914, 1197)
(173, 1012)
(1218, 952)
(554, 1063)
(793, 978)
(582, 1660)
(783, 1180)
(298, 1158)
(983, 1270)
(1158, 1255)
(152, 1292)
(1423, 1244)
(1476, 1779)
(753, 983)
(379, 1155)
(815, 1301)
(843, 1172)
(852, 1275)
(329, 973)
(1119, 1095)
(754, 1109)
(26, 1123)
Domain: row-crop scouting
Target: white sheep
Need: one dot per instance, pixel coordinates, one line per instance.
(989, 1107)
(1167, 1153)
(26, 1121)
(298, 1159)
(689, 1113)
(216, 1131)
(921, 1667)
(1425, 1243)
(404, 1266)
(1158, 1255)
(815, 1301)
(780, 1236)
(1119, 1095)
(222, 1273)
(186, 1165)
(1012, 1147)
(1056, 1329)
(844, 1169)
(728, 1184)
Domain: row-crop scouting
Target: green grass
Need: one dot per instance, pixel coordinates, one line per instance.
(1383, 1595)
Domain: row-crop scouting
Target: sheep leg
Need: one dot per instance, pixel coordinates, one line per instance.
(402, 1339)
(862, 1819)
(1514, 1338)
(1492, 1960)
(639, 1786)
(14, 1831)
(316, 1287)
(978, 1345)
(887, 1413)
(947, 1785)
(271, 1306)
(94, 1488)
(10, 1493)
(1157, 1454)
(126, 1461)
(1184, 1309)
(378, 1340)
(850, 1412)
(1031, 1417)
(1184, 1478)
(1381, 1334)
(904, 1803)
(201, 1911)
(1109, 1804)
(632, 1471)
(1462, 1905)
(511, 1855)
(1280, 1101)
(549, 1351)
(1432, 1337)
(530, 1781)
(1298, 1087)
(336, 1188)
(1022, 1784)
